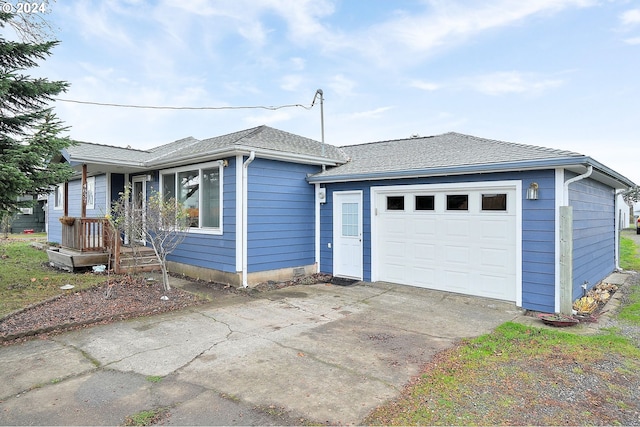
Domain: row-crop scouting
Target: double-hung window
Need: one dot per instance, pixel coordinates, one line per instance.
(199, 189)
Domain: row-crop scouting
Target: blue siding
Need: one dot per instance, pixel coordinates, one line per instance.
(216, 252)
(281, 215)
(593, 232)
(538, 242)
(538, 230)
(75, 206)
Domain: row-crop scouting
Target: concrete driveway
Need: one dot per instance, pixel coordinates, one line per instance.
(303, 354)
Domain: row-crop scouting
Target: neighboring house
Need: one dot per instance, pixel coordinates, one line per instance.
(30, 218)
(452, 212)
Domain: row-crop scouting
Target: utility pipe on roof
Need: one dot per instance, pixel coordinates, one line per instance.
(587, 174)
(245, 216)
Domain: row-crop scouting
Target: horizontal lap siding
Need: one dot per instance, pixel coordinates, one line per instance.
(538, 242)
(593, 232)
(75, 206)
(538, 229)
(213, 251)
(281, 215)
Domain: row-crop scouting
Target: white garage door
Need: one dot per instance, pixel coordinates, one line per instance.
(460, 238)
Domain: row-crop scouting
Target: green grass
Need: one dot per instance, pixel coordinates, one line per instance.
(513, 354)
(630, 260)
(26, 278)
(629, 256)
(146, 418)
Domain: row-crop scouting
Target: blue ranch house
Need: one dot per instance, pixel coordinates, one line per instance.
(451, 212)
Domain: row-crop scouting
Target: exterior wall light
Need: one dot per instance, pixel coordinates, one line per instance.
(532, 191)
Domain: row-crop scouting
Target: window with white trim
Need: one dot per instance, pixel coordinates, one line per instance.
(91, 192)
(199, 189)
(58, 197)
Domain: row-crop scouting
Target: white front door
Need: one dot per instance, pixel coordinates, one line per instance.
(347, 234)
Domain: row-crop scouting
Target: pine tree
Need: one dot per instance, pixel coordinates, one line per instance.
(29, 130)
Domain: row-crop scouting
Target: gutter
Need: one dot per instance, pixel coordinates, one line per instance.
(245, 217)
(587, 174)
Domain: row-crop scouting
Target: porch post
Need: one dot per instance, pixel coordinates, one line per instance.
(83, 208)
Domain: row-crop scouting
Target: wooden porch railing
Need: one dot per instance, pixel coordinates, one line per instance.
(87, 235)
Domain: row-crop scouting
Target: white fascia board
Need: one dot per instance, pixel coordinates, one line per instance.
(246, 150)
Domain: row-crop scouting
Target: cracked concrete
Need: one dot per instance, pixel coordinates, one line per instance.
(304, 354)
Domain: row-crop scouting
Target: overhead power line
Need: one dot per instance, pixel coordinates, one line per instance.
(164, 107)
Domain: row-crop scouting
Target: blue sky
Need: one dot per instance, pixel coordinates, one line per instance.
(556, 73)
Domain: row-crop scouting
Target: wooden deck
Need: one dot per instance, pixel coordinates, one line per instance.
(87, 242)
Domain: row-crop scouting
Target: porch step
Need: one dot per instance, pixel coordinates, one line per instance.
(144, 260)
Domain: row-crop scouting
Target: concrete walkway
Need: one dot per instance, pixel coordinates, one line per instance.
(303, 354)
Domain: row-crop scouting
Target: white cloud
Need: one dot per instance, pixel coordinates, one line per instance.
(341, 85)
(447, 23)
(291, 82)
(630, 17)
(500, 83)
(632, 40)
(371, 114)
(428, 86)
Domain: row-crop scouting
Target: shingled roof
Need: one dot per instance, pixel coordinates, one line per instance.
(449, 154)
(266, 141)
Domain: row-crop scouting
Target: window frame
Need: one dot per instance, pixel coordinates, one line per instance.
(431, 197)
(395, 198)
(501, 209)
(447, 207)
(199, 167)
(58, 198)
(91, 190)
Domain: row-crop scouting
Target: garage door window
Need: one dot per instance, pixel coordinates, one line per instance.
(395, 203)
(457, 202)
(494, 202)
(425, 203)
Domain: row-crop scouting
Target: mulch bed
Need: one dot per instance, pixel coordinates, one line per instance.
(118, 299)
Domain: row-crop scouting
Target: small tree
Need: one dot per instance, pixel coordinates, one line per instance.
(166, 227)
(162, 224)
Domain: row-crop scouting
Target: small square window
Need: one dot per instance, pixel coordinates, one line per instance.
(457, 202)
(395, 203)
(425, 203)
(494, 202)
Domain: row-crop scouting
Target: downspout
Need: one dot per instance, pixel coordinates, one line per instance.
(617, 227)
(587, 174)
(566, 247)
(245, 216)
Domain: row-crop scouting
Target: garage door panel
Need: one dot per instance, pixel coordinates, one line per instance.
(495, 258)
(424, 252)
(457, 255)
(493, 286)
(455, 281)
(471, 252)
(424, 227)
(424, 276)
(456, 227)
(496, 229)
